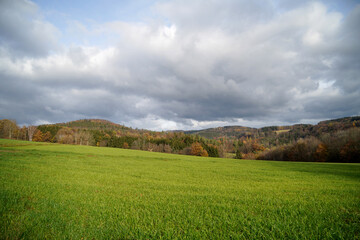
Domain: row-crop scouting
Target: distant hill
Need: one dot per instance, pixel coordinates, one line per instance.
(96, 127)
(93, 124)
(228, 131)
(332, 140)
(293, 132)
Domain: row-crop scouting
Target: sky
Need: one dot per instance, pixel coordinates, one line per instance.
(178, 64)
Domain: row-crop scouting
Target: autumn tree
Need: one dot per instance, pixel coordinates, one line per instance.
(22, 135)
(350, 152)
(167, 148)
(38, 136)
(8, 128)
(83, 137)
(65, 135)
(321, 153)
(47, 137)
(198, 150)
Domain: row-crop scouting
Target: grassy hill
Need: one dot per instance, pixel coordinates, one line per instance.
(80, 192)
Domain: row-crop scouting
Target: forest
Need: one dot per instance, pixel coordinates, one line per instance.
(328, 141)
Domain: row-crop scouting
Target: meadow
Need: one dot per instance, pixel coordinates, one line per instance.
(56, 191)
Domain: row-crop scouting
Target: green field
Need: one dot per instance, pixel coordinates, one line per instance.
(76, 192)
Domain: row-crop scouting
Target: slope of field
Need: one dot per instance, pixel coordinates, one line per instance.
(76, 192)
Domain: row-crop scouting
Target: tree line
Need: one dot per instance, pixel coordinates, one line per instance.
(329, 141)
(118, 137)
(340, 146)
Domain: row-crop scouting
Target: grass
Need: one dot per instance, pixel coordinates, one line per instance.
(282, 131)
(76, 192)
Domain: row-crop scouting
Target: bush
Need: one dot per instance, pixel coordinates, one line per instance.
(238, 154)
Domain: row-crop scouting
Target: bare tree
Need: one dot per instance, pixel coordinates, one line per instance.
(82, 137)
(31, 131)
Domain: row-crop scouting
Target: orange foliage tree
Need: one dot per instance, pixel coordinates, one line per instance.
(321, 153)
(38, 136)
(198, 150)
(47, 137)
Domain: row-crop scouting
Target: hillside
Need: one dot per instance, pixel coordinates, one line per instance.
(292, 132)
(336, 140)
(228, 131)
(93, 124)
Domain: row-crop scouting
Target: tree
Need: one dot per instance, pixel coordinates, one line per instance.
(137, 144)
(47, 137)
(125, 145)
(8, 128)
(82, 137)
(350, 152)
(22, 135)
(238, 154)
(38, 136)
(198, 150)
(321, 153)
(31, 131)
(211, 150)
(65, 135)
(167, 148)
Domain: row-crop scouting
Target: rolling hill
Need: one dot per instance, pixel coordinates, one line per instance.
(93, 124)
(293, 131)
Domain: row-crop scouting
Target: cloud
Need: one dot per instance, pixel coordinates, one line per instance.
(23, 32)
(228, 15)
(200, 65)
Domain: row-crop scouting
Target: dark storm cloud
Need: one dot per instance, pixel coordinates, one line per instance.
(213, 62)
(346, 63)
